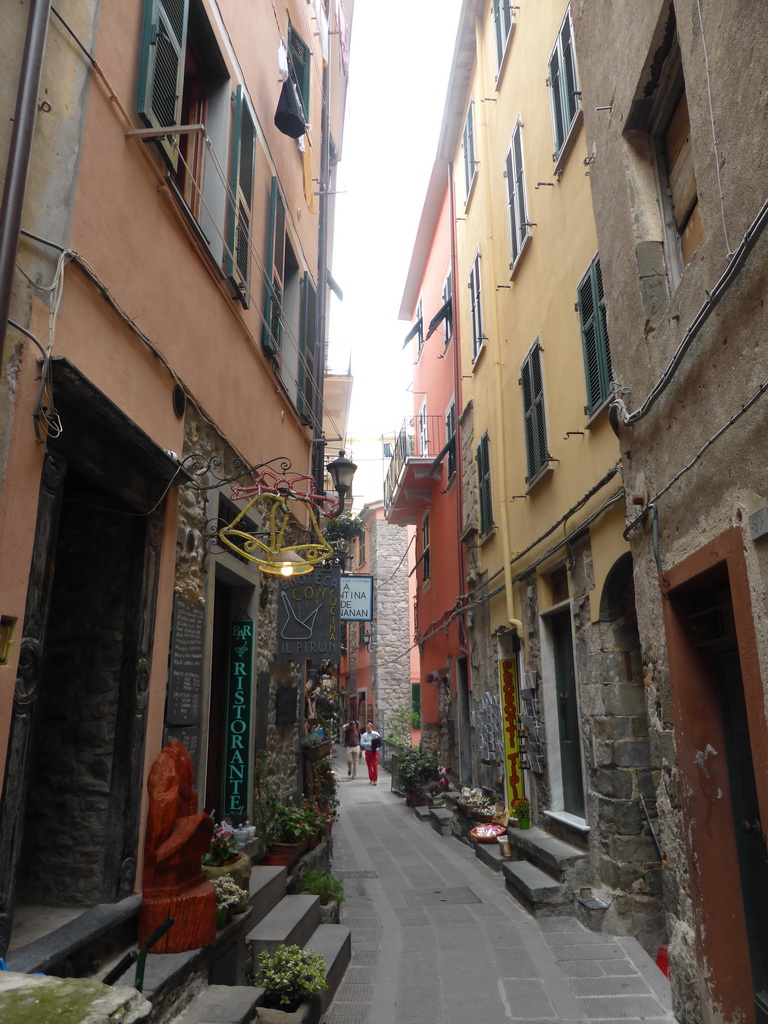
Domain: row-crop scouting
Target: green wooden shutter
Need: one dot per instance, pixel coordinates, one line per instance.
(309, 388)
(594, 337)
(237, 257)
(161, 69)
(484, 488)
(270, 338)
(533, 412)
(298, 55)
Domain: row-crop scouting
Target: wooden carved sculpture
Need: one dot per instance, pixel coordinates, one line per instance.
(177, 837)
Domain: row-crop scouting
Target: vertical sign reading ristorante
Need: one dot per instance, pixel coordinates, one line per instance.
(308, 616)
(238, 746)
(512, 777)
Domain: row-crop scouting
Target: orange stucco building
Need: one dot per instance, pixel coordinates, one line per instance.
(166, 331)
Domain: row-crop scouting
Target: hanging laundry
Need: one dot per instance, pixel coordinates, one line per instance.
(306, 166)
(282, 60)
(288, 116)
(322, 27)
(341, 22)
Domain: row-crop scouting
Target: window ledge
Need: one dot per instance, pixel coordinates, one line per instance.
(598, 412)
(523, 248)
(561, 158)
(571, 820)
(483, 540)
(471, 191)
(506, 58)
(545, 471)
(479, 356)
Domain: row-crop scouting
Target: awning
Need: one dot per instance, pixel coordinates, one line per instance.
(444, 313)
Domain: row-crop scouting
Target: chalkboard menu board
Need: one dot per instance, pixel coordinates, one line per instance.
(190, 737)
(185, 681)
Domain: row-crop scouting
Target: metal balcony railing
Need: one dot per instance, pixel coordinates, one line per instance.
(420, 437)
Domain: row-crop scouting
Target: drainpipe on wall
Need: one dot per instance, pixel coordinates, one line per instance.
(318, 469)
(19, 153)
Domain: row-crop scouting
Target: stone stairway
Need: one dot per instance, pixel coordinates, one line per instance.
(545, 873)
(191, 988)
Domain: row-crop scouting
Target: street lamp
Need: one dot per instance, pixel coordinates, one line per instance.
(342, 473)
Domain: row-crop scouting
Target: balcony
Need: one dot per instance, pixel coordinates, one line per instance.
(414, 467)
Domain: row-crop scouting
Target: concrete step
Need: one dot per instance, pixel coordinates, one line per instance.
(535, 889)
(334, 941)
(223, 1004)
(558, 859)
(441, 820)
(422, 813)
(490, 855)
(292, 922)
(268, 886)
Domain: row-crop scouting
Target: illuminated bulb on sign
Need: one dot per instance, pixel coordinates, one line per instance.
(286, 569)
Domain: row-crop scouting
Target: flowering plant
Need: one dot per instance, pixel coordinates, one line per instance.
(223, 846)
(228, 892)
(521, 809)
(289, 975)
(291, 823)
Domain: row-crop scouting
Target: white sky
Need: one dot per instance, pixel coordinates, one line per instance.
(399, 67)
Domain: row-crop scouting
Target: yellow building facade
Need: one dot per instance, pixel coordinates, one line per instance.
(549, 575)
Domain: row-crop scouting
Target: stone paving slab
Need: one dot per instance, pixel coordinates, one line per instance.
(489, 962)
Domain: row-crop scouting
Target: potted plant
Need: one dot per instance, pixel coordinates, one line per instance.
(224, 858)
(415, 768)
(330, 891)
(290, 976)
(521, 809)
(230, 898)
(290, 830)
(315, 746)
(327, 794)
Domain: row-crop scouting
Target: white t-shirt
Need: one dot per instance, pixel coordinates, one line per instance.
(365, 739)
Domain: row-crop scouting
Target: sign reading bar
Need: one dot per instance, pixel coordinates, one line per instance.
(356, 598)
(237, 754)
(308, 616)
(185, 680)
(509, 711)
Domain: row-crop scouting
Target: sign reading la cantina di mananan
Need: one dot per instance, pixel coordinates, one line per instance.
(308, 616)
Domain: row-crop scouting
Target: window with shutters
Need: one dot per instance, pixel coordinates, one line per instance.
(468, 150)
(517, 205)
(476, 308)
(661, 161)
(420, 327)
(448, 304)
(183, 81)
(535, 426)
(423, 429)
(594, 338)
(563, 90)
(299, 64)
(310, 364)
(483, 459)
(450, 439)
(282, 310)
(503, 23)
(425, 551)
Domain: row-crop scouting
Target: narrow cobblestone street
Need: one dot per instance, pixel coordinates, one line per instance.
(436, 939)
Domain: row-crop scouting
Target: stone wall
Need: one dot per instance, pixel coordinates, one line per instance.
(390, 650)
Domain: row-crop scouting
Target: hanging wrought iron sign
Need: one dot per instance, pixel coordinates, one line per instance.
(308, 617)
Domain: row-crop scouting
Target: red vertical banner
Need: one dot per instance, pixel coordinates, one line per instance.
(512, 775)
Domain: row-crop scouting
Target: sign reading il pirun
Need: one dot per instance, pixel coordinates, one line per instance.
(308, 617)
(237, 755)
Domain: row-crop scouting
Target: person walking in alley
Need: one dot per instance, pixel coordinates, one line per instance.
(351, 732)
(370, 742)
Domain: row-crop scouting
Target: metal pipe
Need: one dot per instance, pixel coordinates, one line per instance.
(318, 452)
(19, 153)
